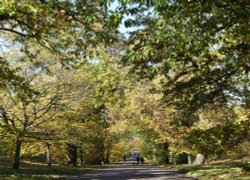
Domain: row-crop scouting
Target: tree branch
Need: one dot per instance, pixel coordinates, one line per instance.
(14, 31)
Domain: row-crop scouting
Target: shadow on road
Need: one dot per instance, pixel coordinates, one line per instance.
(130, 172)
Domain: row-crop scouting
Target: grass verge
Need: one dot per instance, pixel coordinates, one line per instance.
(32, 171)
(236, 170)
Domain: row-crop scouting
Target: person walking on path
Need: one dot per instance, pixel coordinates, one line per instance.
(142, 160)
(138, 159)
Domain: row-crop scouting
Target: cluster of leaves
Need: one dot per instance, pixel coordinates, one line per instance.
(202, 55)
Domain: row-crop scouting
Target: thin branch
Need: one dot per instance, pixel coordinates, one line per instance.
(47, 119)
(49, 105)
(43, 138)
(13, 124)
(16, 117)
(4, 116)
(32, 124)
(49, 48)
(14, 31)
(12, 99)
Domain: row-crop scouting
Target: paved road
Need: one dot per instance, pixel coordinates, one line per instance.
(133, 172)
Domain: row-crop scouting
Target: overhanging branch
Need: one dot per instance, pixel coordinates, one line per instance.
(14, 31)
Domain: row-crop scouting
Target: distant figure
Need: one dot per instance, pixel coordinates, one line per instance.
(124, 158)
(138, 159)
(142, 160)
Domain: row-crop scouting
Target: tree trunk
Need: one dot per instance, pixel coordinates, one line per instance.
(16, 163)
(72, 150)
(154, 157)
(171, 158)
(81, 157)
(99, 156)
(166, 152)
(189, 159)
(107, 156)
(48, 154)
(200, 159)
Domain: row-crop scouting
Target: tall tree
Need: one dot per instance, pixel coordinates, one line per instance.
(201, 49)
(201, 54)
(66, 28)
(24, 113)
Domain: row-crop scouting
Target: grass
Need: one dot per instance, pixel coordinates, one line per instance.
(236, 170)
(31, 171)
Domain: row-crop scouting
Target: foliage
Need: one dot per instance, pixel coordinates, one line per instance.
(68, 29)
(200, 51)
(201, 55)
(179, 83)
(221, 137)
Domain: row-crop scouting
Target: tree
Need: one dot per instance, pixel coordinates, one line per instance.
(23, 114)
(194, 47)
(68, 29)
(87, 99)
(219, 130)
(201, 56)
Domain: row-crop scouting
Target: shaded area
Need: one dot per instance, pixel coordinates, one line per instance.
(130, 171)
(31, 170)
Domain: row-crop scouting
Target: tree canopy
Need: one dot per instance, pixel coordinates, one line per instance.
(72, 86)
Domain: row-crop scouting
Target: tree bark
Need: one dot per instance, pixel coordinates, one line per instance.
(48, 154)
(81, 157)
(154, 157)
(189, 159)
(16, 163)
(99, 156)
(166, 152)
(171, 159)
(200, 159)
(107, 156)
(72, 150)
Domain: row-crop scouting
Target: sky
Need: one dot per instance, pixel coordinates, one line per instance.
(124, 30)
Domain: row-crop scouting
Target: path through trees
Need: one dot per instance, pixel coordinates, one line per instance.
(127, 171)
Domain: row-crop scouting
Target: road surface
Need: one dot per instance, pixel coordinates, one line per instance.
(132, 172)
